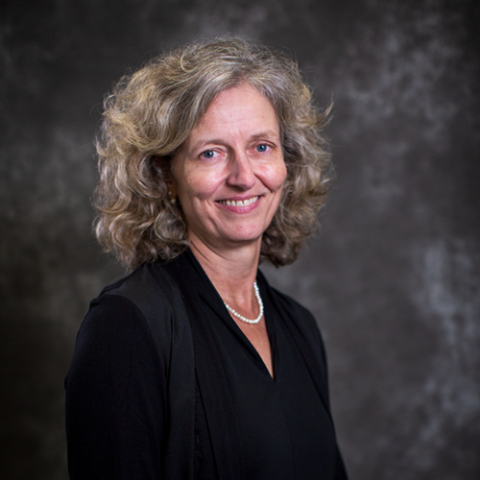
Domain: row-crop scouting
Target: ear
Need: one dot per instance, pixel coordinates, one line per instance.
(163, 170)
(172, 190)
(171, 182)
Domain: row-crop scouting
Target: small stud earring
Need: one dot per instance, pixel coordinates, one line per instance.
(173, 200)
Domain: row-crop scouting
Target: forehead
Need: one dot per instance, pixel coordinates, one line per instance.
(241, 107)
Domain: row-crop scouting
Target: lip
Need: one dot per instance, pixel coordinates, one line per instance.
(240, 204)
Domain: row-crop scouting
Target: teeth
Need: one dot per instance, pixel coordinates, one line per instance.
(239, 203)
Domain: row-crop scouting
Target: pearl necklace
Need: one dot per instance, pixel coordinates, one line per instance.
(260, 304)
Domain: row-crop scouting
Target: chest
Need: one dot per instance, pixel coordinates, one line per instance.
(257, 335)
(280, 424)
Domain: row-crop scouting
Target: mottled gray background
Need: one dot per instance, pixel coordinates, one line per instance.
(393, 276)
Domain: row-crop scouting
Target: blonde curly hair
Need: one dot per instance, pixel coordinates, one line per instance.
(152, 112)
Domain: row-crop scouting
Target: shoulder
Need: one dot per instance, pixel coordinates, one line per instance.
(296, 311)
(292, 305)
(148, 289)
(127, 328)
(136, 308)
(149, 279)
(301, 318)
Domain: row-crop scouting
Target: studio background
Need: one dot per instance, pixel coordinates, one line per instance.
(393, 275)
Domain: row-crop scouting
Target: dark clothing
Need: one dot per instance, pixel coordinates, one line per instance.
(234, 421)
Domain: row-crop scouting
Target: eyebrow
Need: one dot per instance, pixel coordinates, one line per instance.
(257, 136)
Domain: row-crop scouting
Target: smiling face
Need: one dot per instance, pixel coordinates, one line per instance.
(229, 173)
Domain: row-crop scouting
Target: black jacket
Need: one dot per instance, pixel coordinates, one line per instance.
(130, 404)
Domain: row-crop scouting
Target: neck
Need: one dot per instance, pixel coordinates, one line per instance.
(231, 270)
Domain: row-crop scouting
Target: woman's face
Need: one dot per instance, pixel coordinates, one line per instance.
(230, 172)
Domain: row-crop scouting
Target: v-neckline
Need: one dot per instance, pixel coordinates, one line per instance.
(214, 300)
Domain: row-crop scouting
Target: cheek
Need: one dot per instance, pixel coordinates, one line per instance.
(198, 185)
(278, 176)
(284, 172)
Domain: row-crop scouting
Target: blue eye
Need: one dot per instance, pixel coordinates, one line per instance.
(208, 154)
(262, 148)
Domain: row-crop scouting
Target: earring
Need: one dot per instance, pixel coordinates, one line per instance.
(173, 200)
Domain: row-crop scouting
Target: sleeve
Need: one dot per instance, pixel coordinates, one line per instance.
(115, 396)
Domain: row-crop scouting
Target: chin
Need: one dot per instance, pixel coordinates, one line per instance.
(247, 234)
(244, 238)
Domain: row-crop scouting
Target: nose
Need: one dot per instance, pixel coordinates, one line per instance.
(241, 173)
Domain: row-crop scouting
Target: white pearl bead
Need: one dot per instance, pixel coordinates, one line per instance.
(260, 304)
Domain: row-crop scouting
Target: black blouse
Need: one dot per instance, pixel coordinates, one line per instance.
(283, 427)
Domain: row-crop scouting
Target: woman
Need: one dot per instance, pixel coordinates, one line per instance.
(193, 366)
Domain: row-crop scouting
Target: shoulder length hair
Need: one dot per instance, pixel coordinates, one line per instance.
(152, 112)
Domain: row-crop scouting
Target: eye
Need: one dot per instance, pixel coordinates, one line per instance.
(208, 154)
(262, 148)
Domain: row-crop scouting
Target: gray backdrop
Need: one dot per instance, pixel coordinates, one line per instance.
(393, 275)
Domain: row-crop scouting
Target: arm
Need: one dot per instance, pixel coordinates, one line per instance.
(115, 396)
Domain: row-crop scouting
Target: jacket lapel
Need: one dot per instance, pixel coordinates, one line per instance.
(213, 384)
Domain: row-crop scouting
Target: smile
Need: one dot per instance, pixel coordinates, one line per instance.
(239, 203)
